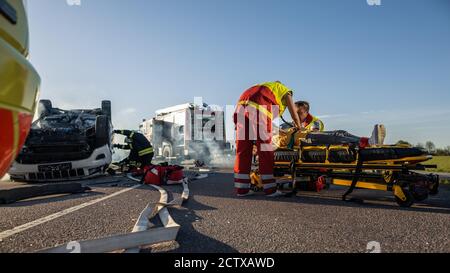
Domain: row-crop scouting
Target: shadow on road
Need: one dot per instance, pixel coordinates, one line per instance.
(221, 186)
(189, 239)
(51, 199)
(105, 182)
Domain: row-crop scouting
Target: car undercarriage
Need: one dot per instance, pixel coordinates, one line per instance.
(65, 144)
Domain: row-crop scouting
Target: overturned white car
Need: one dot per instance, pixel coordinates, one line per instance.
(66, 145)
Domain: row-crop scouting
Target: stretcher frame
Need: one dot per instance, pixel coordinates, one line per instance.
(398, 176)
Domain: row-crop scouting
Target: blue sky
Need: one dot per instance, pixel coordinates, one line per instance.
(357, 64)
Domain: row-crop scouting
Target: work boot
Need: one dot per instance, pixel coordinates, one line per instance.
(250, 193)
(276, 194)
(378, 135)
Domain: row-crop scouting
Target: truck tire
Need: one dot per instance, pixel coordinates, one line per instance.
(106, 108)
(102, 131)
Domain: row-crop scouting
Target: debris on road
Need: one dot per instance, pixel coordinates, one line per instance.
(141, 235)
(118, 242)
(17, 194)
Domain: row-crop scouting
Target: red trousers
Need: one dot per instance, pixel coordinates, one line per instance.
(253, 128)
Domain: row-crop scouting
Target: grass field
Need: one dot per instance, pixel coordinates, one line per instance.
(443, 166)
(442, 162)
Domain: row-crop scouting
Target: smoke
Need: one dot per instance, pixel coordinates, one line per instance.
(212, 154)
(209, 130)
(219, 157)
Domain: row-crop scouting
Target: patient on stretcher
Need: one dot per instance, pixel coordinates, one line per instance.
(331, 147)
(290, 138)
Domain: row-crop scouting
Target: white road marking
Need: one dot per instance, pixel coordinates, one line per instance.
(11, 232)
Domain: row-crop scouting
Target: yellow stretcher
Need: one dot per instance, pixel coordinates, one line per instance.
(384, 168)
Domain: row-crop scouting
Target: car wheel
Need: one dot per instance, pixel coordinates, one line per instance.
(45, 107)
(102, 131)
(106, 108)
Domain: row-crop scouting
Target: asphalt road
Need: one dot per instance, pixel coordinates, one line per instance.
(214, 220)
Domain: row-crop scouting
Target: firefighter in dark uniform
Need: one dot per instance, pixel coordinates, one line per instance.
(141, 151)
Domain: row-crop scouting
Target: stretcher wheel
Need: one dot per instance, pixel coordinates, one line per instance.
(255, 188)
(409, 199)
(435, 188)
(420, 196)
(420, 192)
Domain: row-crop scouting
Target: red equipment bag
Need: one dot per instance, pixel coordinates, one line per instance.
(163, 175)
(154, 175)
(174, 175)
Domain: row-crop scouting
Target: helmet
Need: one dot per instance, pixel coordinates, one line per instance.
(19, 86)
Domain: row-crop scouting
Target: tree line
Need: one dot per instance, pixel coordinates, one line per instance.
(430, 147)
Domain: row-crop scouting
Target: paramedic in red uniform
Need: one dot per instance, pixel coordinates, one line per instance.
(257, 107)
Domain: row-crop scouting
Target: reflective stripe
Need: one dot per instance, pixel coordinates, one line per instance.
(146, 151)
(132, 135)
(270, 186)
(242, 185)
(267, 177)
(258, 107)
(315, 123)
(242, 176)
